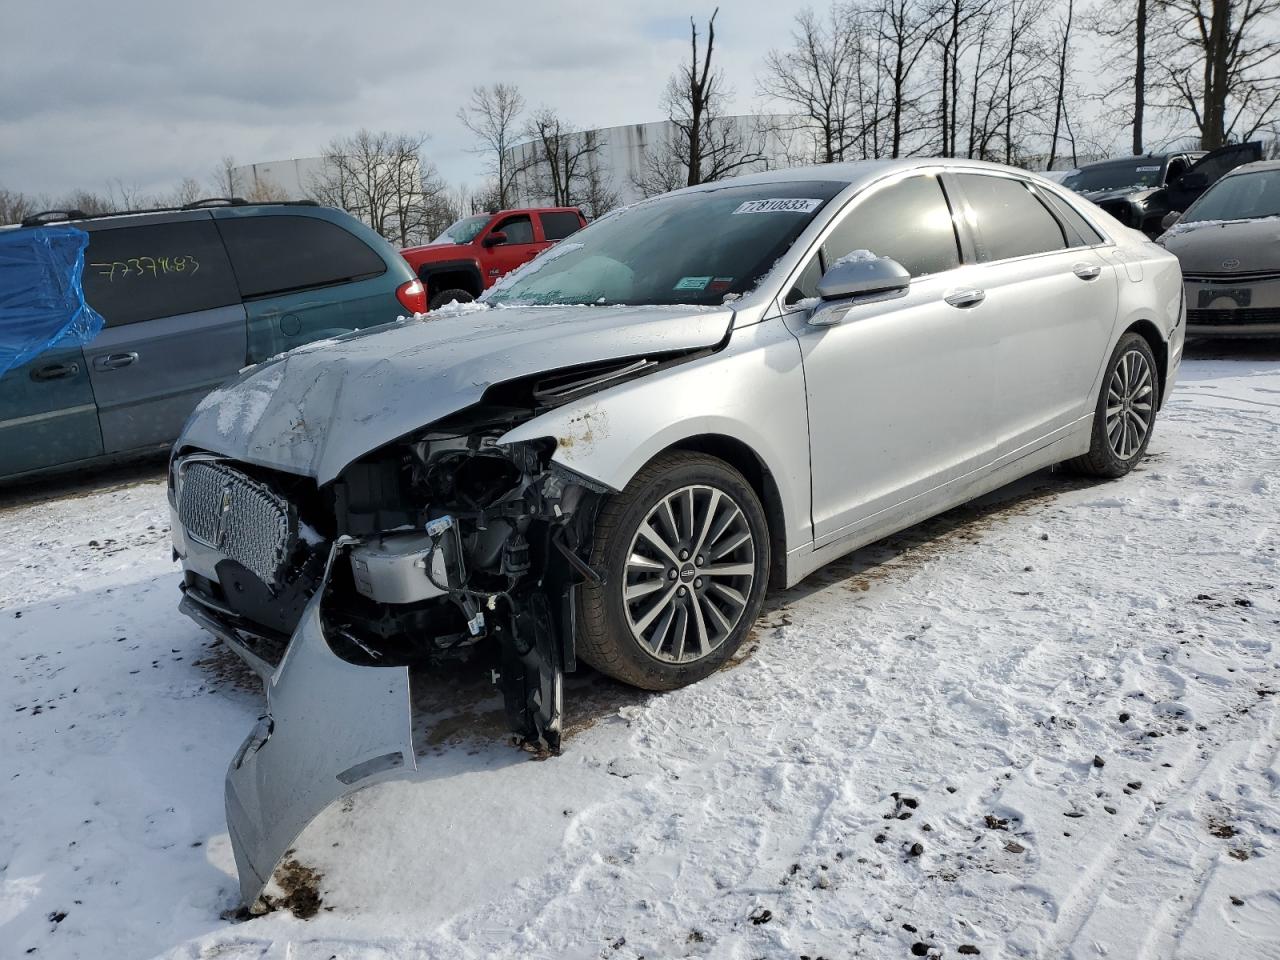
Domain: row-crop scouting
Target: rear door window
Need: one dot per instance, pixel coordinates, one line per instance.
(1011, 222)
(1079, 231)
(137, 273)
(557, 226)
(279, 254)
(517, 229)
(908, 221)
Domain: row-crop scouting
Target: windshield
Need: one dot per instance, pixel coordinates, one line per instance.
(1245, 196)
(1141, 172)
(696, 248)
(464, 231)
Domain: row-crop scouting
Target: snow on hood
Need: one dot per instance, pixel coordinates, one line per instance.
(315, 410)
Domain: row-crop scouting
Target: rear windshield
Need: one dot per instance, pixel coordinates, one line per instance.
(1142, 172)
(1245, 196)
(696, 248)
(464, 231)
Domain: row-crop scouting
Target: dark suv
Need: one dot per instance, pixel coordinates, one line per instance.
(1141, 191)
(190, 297)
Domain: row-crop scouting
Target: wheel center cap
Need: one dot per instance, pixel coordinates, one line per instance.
(687, 572)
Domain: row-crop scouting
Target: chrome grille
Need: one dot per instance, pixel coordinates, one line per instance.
(242, 518)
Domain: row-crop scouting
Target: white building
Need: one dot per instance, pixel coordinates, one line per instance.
(620, 158)
(292, 177)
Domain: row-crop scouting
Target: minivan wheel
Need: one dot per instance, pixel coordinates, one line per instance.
(448, 296)
(1125, 413)
(685, 552)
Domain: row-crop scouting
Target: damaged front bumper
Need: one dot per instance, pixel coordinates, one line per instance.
(331, 728)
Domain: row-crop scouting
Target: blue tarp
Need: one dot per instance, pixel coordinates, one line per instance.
(41, 296)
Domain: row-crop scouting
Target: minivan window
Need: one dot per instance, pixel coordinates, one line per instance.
(140, 273)
(558, 225)
(273, 254)
(908, 221)
(1011, 222)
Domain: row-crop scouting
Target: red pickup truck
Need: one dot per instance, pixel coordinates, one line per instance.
(476, 252)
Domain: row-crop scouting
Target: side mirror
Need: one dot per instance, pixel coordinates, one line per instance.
(1194, 180)
(854, 278)
(1170, 219)
(495, 238)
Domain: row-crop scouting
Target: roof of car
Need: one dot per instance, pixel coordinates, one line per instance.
(46, 217)
(1140, 158)
(1258, 166)
(856, 173)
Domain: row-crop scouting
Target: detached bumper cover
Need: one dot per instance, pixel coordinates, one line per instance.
(331, 727)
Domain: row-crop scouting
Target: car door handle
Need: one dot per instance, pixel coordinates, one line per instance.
(966, 298)
(55, 371)
(1086, 271)
(114, 361)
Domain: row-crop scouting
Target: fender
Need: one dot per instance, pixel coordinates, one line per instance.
(748, 392)
(468, 266)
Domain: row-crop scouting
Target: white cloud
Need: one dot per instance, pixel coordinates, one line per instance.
(149, 93)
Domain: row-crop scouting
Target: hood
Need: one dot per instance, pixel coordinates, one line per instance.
(316, 409)
(1136, 192)
(1225, 247)
(444, 249)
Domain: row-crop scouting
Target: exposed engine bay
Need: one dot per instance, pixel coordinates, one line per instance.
(443, 545)
(447, 545)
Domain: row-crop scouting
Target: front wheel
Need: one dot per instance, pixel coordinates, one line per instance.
(685, 550)
(1125, 413)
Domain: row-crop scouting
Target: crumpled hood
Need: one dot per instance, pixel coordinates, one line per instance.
(320, 407)
(1232, 246)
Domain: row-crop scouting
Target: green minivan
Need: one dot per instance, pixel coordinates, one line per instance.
(191, 296)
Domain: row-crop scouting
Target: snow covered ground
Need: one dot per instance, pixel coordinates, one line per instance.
(1044, 725)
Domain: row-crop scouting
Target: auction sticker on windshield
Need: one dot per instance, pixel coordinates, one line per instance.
(692, 283)
(779, 205)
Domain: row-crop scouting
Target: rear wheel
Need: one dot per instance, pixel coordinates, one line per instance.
(438, 300)
(685, 550)
(1125, 413)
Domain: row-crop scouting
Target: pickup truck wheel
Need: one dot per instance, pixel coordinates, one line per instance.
(448, 296)
(685, 550)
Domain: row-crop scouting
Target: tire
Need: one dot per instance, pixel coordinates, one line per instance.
(1130, 392)
(448, 296)
(724, 605)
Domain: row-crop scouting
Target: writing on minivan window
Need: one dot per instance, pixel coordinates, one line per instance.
(147, 267)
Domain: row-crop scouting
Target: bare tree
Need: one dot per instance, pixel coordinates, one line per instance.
(562, 156)
(265, 190)
(598, 195)
(188, 191)
(382, 179)
(964, 27)
(223, 178)
(15, 207)
(493, 117)
(906, 28)
(818, 76)
(1226, 71)
(1134, 32)
(1062, 67)
(703, 145)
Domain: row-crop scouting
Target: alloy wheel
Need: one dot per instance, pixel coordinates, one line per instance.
(1130, 409)
(688, 574)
